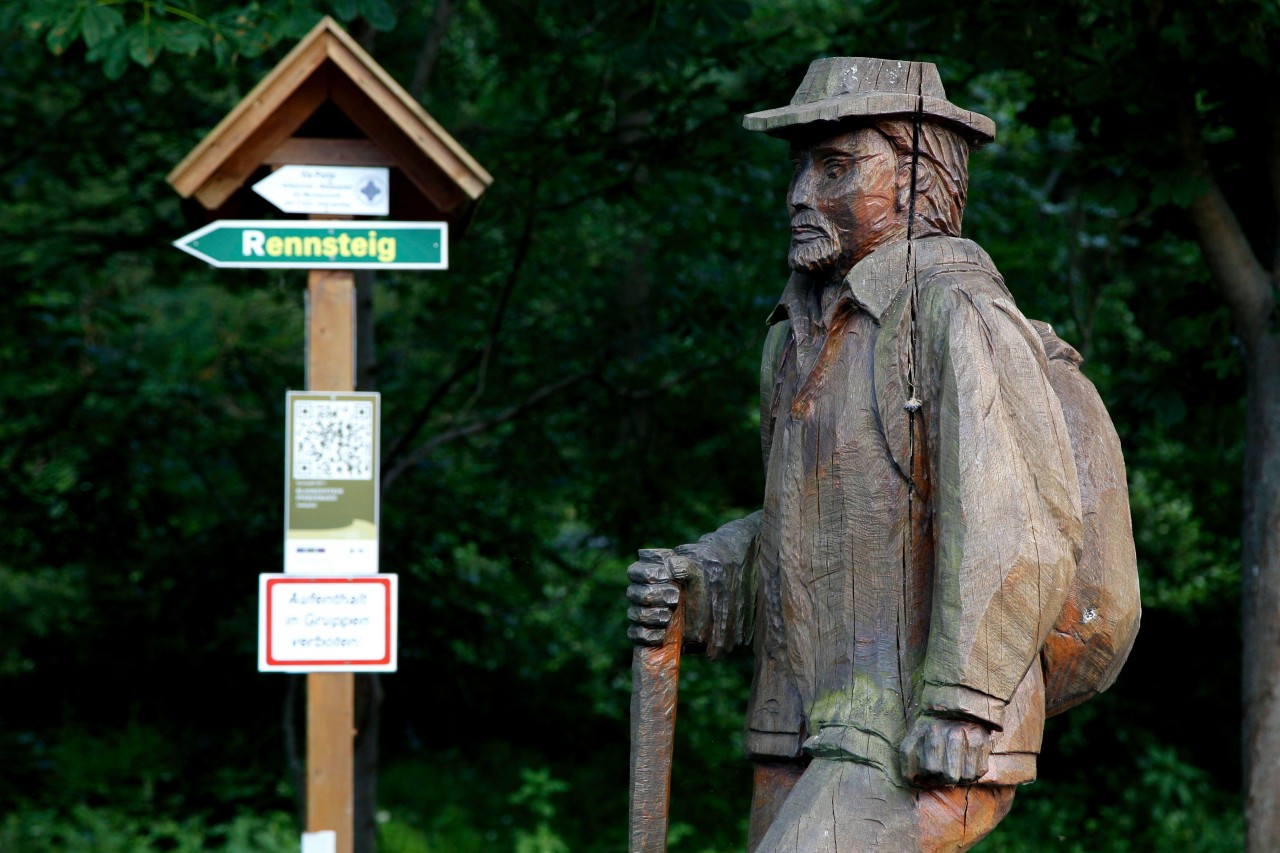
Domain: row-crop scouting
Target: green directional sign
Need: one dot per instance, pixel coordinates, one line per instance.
(328, 244)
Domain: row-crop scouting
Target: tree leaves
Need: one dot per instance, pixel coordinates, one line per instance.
(140, 31)
(98, 23)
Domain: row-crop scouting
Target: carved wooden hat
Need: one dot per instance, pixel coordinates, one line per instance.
(848, 88)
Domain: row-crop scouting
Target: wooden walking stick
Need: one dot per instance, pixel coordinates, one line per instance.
(655, 675)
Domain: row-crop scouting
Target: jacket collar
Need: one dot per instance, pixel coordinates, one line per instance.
(872, 284)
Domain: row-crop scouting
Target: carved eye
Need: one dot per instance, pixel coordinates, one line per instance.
(835, 167)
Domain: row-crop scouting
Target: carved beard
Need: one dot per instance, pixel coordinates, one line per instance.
(816, 249)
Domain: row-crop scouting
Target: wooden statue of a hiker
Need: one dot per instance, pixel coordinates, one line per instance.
(944, 553)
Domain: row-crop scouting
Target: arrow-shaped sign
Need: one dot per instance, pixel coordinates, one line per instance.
(321, 245)
(356, 190)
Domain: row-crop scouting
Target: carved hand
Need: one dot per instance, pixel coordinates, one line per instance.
(654, 593)
(938, 751)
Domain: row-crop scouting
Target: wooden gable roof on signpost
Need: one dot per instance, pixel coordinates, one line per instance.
(328, 66)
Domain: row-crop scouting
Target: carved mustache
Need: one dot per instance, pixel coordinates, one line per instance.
(810, 225)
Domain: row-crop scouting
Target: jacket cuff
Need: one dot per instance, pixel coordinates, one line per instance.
(958, 702)
(720, 591)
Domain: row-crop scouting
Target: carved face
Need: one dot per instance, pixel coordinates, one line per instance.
(847, 197)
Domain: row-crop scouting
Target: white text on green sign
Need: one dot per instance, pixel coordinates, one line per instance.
(271, 243)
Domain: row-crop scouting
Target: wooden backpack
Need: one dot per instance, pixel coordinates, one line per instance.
(1094, 633)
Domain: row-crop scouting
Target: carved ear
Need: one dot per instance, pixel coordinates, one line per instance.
(925, 178)
(903, 199)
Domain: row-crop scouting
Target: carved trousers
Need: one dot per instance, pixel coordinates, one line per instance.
(854, 808)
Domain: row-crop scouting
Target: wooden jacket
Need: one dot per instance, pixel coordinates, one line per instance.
(921, 520)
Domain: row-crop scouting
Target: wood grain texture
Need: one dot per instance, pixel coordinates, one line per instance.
(771, 785)
(844, 806)
(410, 118)
(655, 676)
(719, 596)
(248, 116)
(330, 345)
(330, 768)
(944, 551)
(1096, 629)
(431, 178)
(955, 818)
(331, 330)
(251, 149)
(328, 152)
(960, 400)
(328, 63)
(845, 88)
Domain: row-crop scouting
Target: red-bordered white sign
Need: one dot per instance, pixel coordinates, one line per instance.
(327, 624)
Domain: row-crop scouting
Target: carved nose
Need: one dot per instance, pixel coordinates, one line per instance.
(800, 193)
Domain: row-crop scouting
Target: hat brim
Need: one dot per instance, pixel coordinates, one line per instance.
(792, 119)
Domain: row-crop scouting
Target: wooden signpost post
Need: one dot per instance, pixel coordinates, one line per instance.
(329, 104)
(331, 697)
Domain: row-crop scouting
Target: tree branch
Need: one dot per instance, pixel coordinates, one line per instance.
(431, 48)
(504, 298)
(478, 357)
(1244, 281)
(420, 419)
(510, 413)
(665, 385)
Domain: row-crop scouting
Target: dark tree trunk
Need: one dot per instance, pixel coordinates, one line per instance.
(1260, 597)
(366, 355)
(1249, 290)
(368, 686)
(368, 724)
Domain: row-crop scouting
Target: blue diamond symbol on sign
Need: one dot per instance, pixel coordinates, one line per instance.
(371, 190)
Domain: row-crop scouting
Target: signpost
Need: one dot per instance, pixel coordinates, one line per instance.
(320, 244)
(331, 367)
(332, 509)
(349, 190)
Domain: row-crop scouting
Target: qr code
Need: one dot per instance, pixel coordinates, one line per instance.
(332, 440)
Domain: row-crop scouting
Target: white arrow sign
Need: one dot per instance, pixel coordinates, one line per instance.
(355, 190)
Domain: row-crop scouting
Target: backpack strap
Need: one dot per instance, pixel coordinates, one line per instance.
(1054, 346)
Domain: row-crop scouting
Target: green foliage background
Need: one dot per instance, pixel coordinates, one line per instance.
(627, 254)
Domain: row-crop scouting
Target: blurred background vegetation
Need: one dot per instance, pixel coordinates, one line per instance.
(583, 378)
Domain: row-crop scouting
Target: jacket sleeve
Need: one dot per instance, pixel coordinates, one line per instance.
(1006, 501)
(720, 593)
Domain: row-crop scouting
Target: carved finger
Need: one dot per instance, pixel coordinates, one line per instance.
(933, 760)
(956, 753)
(984, 756)
(681, 567)
(975, 765)
(969, 759)
(654, 595)
(652, 617)
(646, 636)
(647, 571)
(651, 567)
(979, 749)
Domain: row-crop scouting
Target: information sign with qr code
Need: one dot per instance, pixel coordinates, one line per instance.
(331, 483)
